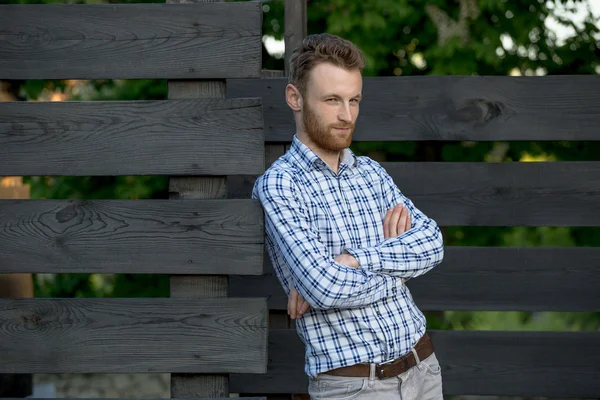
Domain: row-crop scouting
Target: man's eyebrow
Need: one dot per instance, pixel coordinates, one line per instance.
(357, 96)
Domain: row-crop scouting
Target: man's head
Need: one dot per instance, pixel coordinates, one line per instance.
(325, 87)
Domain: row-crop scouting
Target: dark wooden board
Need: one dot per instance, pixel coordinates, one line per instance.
(503, 194)
(159, 137)
(482, 279)
(112, 41)
(132, 236)
(492, 194)
(553, 364)
(133, 335)
(489, 108)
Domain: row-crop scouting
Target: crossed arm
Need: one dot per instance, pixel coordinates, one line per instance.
(359, 277)
(397, 221)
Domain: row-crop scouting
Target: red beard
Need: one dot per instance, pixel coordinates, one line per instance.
(323, 135)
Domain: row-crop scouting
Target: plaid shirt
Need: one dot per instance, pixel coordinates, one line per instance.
(311, 216)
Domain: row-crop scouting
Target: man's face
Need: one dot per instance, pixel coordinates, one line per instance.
(331, 106)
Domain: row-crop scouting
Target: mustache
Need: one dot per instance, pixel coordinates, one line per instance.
(342, 126)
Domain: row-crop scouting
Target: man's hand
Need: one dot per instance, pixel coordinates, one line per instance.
(347, 259)
(296, 303)
(396, 222)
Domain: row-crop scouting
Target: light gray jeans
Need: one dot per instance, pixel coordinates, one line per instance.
(422, 382)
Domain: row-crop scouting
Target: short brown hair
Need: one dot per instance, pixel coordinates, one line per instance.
(319, 48)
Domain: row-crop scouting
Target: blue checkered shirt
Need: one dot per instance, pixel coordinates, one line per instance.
(311, 216)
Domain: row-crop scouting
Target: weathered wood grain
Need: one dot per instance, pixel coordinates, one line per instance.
(452, 108)
(131, 236)
(555, 364)
(503, 194)
(493, 194)
(482, 279)
(186, 137)
(132, 335)
(111, 41)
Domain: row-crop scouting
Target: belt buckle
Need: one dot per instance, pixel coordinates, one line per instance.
(380, 368)
(400, 361)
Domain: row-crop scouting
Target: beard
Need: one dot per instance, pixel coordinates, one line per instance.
(323, 135)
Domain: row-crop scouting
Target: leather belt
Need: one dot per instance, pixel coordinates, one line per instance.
(424, 349)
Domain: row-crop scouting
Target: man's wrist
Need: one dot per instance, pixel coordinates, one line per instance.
(347, 259)
(367, 259)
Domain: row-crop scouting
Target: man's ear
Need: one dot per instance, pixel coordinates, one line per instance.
(293, 97)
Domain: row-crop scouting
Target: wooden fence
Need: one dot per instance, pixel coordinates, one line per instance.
(224, 329)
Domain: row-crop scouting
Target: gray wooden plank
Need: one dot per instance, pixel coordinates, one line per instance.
(452, 108)
(482, 279)
(111, 41)
(553, 364)
(503, 194)
(185, 137)
(512, 279)
(493, 194)
(133, 335)
(131, 236)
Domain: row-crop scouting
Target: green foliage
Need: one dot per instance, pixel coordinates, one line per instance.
(520, 321)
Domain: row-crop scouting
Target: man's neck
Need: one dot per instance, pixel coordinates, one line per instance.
(332, 159)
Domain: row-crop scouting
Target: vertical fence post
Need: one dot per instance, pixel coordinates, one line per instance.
(198, 385)
(295, 25)
(13, 286)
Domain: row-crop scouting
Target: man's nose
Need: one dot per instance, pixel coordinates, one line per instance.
(344, 113)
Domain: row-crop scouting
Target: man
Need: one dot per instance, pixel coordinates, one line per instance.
(343, 239)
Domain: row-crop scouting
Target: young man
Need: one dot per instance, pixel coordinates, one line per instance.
(343, 239)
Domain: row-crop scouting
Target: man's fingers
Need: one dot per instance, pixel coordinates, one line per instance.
(303, 308)
(386, 223)
(408, 223)
(394, 221)
(402, 221)
(292, 303)
(299, 303)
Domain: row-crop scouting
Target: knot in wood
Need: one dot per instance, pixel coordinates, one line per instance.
(478, 110)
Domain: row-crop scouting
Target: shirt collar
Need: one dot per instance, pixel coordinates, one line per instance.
(308, 159)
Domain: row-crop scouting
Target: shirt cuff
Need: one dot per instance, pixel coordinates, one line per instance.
(368, 259)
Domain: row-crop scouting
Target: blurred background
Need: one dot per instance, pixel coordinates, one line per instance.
(399, 38)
